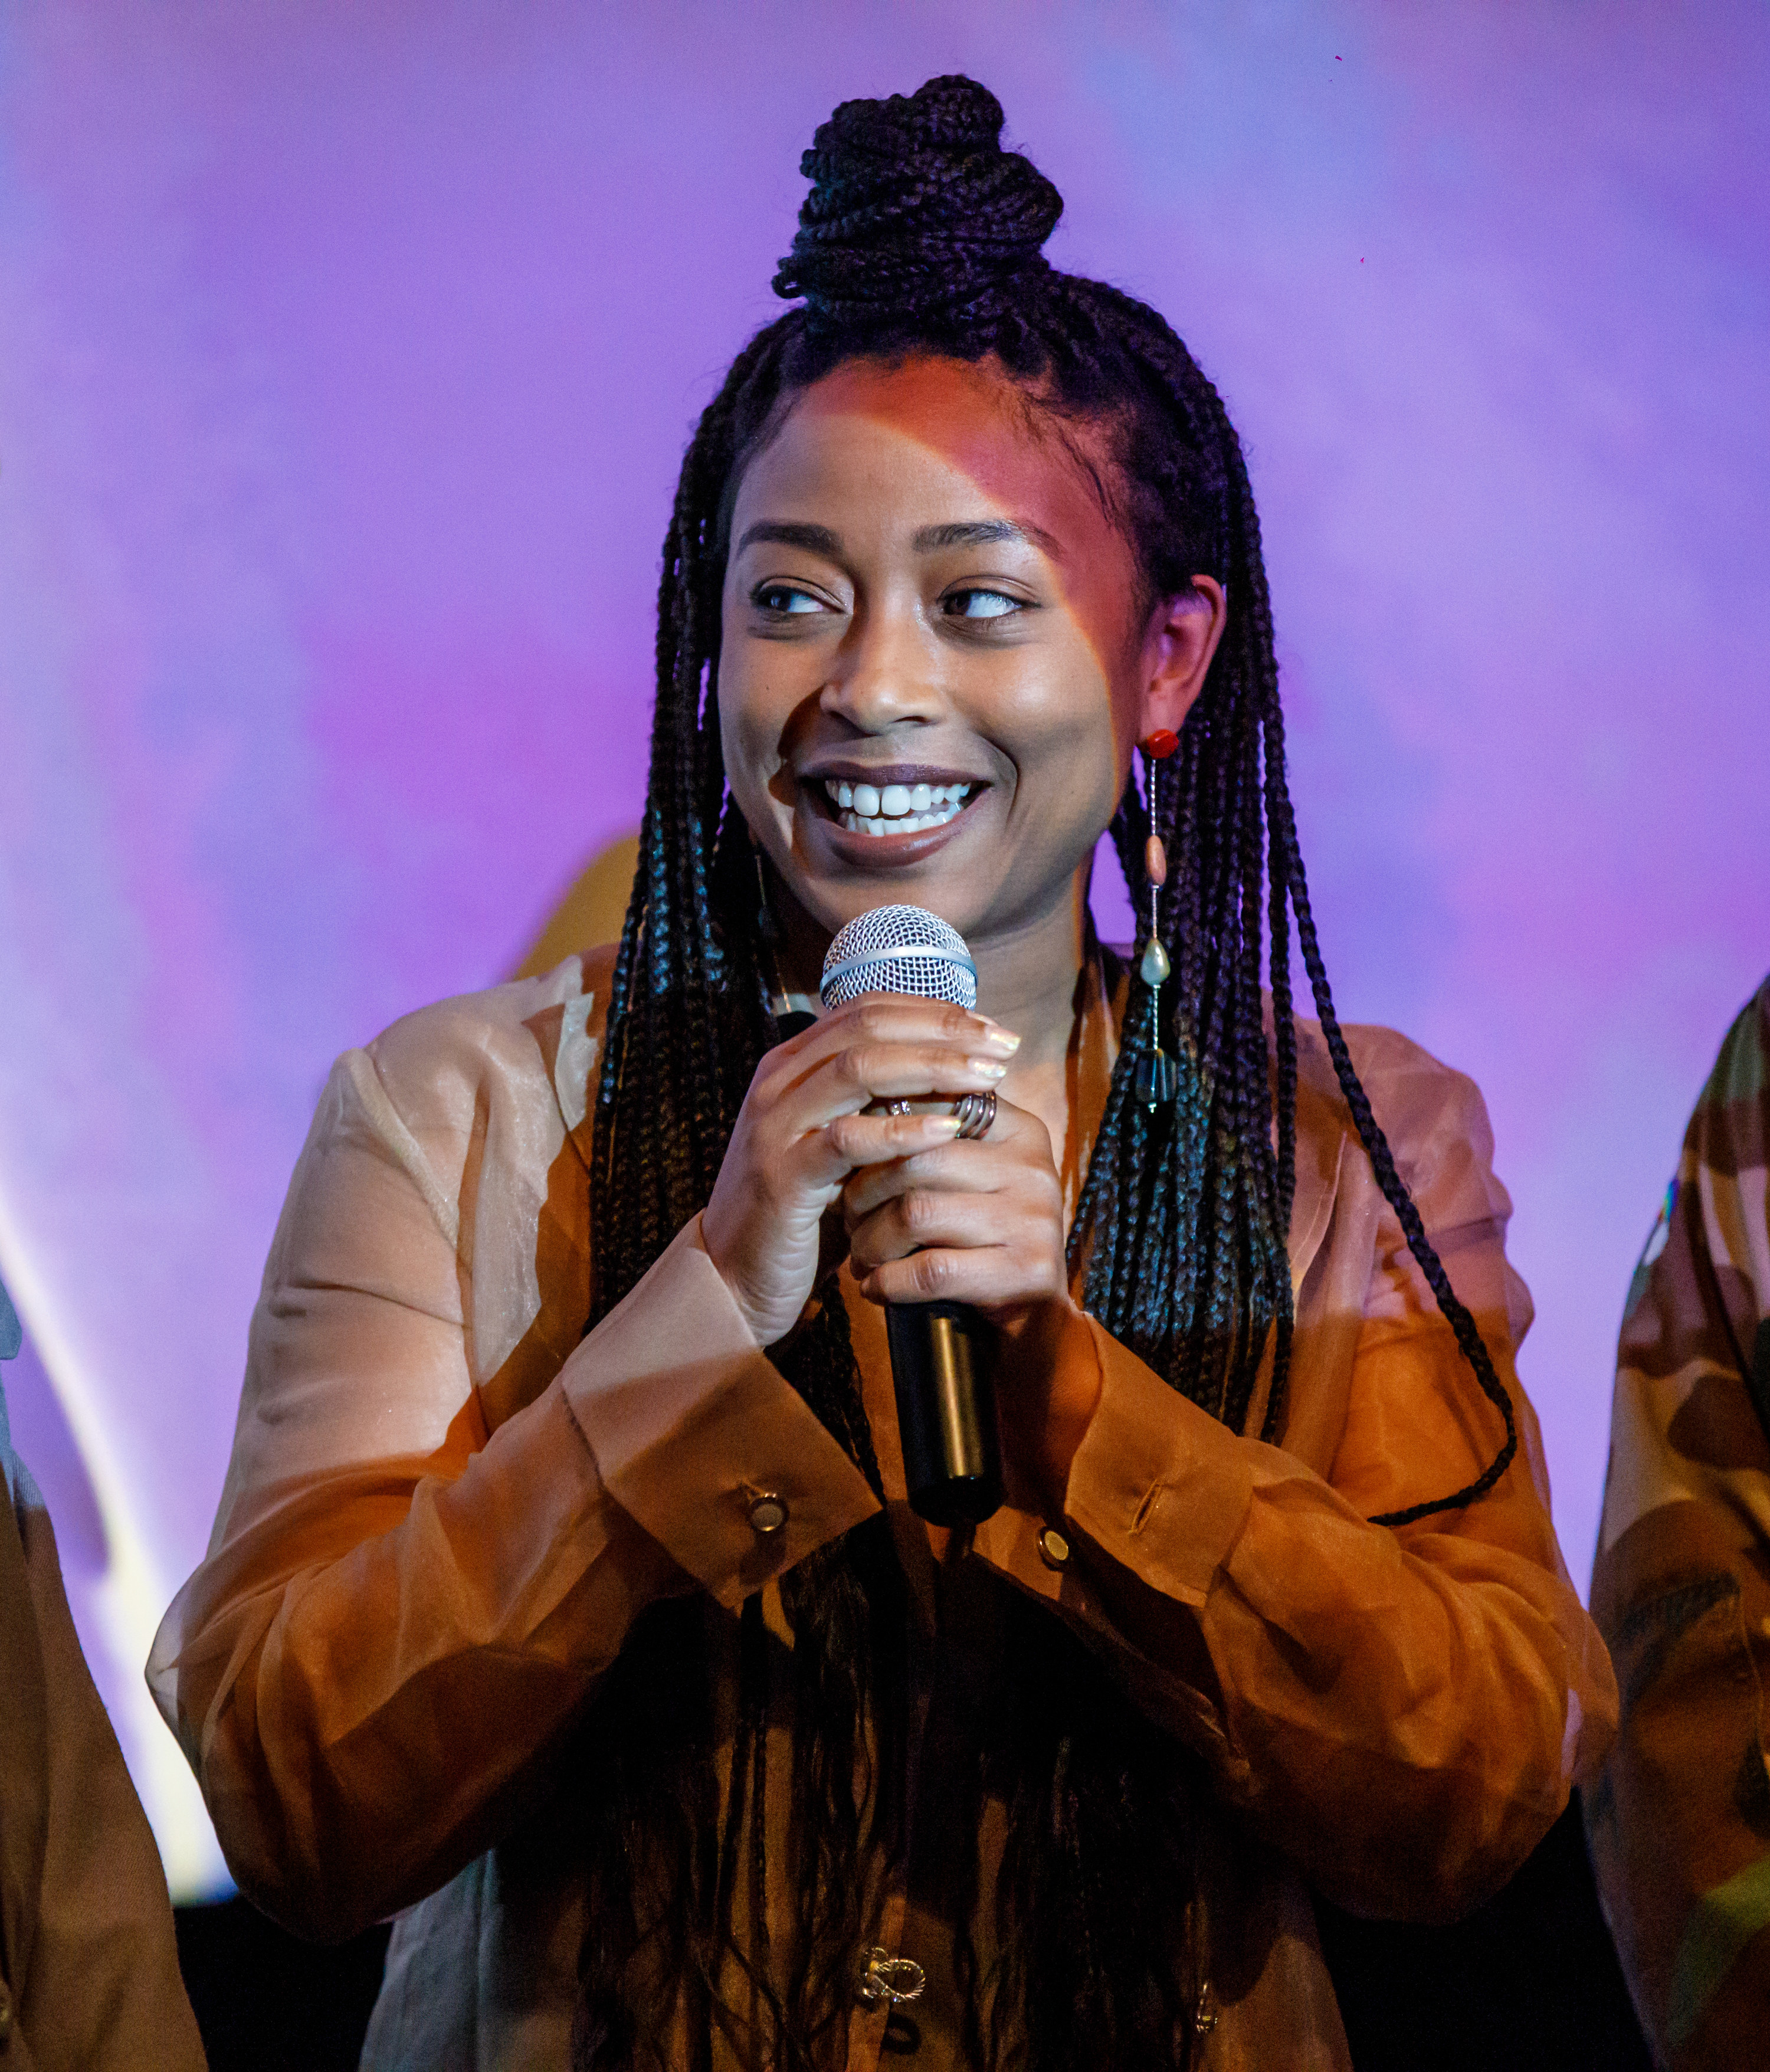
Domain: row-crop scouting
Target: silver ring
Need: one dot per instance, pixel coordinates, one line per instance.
(974, 1113)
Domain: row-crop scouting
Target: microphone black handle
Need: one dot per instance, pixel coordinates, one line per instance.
(943, 1368)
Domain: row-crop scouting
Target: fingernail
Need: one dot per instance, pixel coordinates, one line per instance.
(1001, 1039)
(987, 1068)
(944, 1125)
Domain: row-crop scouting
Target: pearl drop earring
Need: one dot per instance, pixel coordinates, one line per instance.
(1157, 1077)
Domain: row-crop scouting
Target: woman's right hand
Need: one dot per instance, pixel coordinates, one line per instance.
(802, 1131)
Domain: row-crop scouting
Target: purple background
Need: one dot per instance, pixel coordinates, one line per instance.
(346, 359)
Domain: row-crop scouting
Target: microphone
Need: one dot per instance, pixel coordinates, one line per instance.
(942, 1366)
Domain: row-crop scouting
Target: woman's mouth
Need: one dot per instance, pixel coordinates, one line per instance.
(894, 809)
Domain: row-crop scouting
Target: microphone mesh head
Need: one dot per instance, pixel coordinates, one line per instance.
(900, 949)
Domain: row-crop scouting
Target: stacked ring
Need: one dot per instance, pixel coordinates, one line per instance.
(974, 1113)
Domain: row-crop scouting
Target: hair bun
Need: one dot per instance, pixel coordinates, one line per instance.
(916, 209)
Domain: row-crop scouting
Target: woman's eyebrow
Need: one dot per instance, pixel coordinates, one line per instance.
(931, 539)
(985, 533)
(814, 539)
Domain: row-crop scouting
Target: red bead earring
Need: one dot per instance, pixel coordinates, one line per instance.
(1160, 745)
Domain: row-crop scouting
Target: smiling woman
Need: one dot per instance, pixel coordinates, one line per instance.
(1000, 641)
(565, 1598)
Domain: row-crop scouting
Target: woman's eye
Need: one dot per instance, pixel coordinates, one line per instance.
(782, 599)
(981, 604)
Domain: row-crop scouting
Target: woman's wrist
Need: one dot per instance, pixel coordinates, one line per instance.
(1052, 1393)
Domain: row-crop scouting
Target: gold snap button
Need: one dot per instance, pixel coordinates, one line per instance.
(888, 1977)
(1053, 1548)
(767, 1513)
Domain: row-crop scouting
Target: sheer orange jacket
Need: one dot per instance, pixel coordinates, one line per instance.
(446, 1506)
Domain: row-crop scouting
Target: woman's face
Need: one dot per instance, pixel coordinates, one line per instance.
(934, 666)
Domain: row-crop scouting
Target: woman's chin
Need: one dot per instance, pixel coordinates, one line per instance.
(839, 872)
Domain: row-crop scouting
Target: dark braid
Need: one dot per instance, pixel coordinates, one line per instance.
(922, 235)
(1382, 1159)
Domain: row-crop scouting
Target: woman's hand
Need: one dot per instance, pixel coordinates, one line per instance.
(801, 1135)
(983, 1223)
(980, 1223)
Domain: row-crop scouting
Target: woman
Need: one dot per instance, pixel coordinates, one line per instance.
(617, 1659)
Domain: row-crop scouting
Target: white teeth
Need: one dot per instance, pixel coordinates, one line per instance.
(902, 823)
(892, 801)
(894, 809)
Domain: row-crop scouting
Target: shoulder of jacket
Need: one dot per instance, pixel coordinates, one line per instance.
(1382, 1058)
(498, 1014)
(1739, 1079)
(464, 1038)
(1421, 1104)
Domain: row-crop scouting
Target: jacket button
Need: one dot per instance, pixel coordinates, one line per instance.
(1053, 1548)
(767, 1513)
(896, 1979)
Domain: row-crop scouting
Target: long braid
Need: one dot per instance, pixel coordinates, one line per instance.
(1395, 1193)
(1179, 1239)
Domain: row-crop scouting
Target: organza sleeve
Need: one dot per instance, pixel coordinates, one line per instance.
(1403, 1712)
(403, 1610)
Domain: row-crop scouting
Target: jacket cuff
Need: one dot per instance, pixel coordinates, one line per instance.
(698, 1436)
(1157, 1483)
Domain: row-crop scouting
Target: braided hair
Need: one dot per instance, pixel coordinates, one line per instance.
(921, 235)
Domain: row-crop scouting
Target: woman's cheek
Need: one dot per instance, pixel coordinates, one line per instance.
(751, 747)
(1077, 770)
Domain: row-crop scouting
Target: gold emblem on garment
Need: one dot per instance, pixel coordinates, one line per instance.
(894, 1980)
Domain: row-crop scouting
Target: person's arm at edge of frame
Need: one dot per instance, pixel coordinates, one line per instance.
(1679, 1823)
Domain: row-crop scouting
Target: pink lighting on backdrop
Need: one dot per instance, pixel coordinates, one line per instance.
(347, 362)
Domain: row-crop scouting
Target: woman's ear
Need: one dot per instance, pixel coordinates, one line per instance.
(1180, 639)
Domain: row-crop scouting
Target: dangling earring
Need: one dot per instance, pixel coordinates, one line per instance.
(767, 935)
(1158, 1078)
(765, 919)
(788, 1020)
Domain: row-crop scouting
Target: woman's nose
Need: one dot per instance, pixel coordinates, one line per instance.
(885, 672)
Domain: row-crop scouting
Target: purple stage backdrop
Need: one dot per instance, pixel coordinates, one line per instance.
(346, 356)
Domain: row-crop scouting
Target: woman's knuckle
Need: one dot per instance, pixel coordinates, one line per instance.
(934, 1273)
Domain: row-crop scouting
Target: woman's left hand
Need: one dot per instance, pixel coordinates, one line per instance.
(981, 1222)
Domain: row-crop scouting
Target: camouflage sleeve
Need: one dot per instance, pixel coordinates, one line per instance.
(1680, 1819)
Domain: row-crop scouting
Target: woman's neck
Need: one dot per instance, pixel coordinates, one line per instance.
(1027, 970)
(1028, 980)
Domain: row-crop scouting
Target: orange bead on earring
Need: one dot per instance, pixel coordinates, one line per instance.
(1157, 1077)
(1160, 745)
